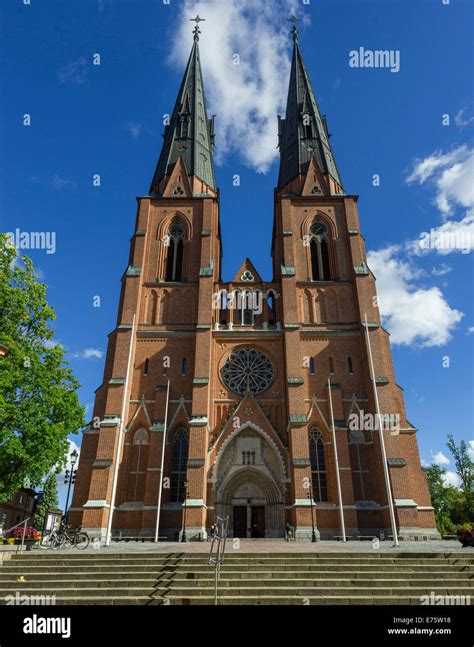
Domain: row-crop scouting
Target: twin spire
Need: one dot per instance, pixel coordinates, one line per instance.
(303, 134)
(189, 134)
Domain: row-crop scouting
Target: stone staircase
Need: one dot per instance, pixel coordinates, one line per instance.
(147, 578)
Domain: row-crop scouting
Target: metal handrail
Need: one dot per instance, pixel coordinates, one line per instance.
(24, 522)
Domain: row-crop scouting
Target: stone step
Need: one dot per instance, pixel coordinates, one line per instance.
(149, 583)
(238, 600)
(185, 592)
(234, 576)
(79, 556)
(22, 568)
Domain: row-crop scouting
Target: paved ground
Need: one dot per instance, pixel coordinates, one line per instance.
(277, 546)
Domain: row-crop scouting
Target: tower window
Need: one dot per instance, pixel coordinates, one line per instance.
(331, 366)
(312, 368)
(184, 366)
(179, 466)
(319, 248)
(318, 466)
(271, 308)
(349, 365)
(146, 366)
(174, 260)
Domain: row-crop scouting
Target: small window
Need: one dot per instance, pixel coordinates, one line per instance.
(184, 367)
(146, 366)
(349, 365)
(312, 367)
(331, 366)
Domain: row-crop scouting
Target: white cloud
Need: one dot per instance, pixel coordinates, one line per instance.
(135, 130)
(470, 330)
(462, 121)
(452, 174)
(89, 353)
(440, 459)
(74, 73)
(441, 270)
(62, 183)
(413, 315)
(248, 97)
(93, 352)
(470, 449)
(451, 478)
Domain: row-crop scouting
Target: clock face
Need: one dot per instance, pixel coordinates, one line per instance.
(248, 370)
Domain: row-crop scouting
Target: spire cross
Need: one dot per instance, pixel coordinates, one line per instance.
(294, 31)
(197, 31)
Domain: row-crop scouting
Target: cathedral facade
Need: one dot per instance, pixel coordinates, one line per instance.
(248, 398)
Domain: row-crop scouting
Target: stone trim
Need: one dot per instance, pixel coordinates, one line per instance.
(198, 421)
(102, 463)
(98, 503)
(196, 462)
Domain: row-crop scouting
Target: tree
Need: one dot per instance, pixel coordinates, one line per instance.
(444, 498)
(49, 500)
(39, 406)
(463, 462)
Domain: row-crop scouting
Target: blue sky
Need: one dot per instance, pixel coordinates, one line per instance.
(107, 119)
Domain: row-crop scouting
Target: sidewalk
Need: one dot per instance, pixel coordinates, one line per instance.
(278, 546)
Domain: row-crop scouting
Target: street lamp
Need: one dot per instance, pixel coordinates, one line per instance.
(3, 350)
(186, 485)
(69, 479)
(313, 533)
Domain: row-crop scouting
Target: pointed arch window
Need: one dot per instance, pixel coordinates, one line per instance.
(246, 310)
(331, 366)
(318, 466)
(175, 256)
(184, 366)
(146, 366)
(135, 490)
(312, 367)
(179, 466)
(271, 308)
(319, 247)
(350, 367)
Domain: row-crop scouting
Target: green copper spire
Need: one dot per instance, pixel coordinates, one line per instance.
(303, 134)
(190, 134)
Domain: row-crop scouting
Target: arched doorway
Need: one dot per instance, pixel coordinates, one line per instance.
(249, 487)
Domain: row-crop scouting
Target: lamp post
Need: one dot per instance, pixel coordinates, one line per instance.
(186, 485)
(313, 533)
(69, 479)
(3, 350)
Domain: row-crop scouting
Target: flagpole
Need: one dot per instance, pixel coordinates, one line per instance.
(120, 438)
(382, 441)
(160, 486)
(338, 476)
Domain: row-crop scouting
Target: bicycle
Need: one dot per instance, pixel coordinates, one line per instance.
(73, 538)
(52, 540)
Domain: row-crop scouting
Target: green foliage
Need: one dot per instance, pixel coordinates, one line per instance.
(454, 508)
(39, 406)
(49, 500)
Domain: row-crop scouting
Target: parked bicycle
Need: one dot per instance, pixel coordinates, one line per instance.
(65, 537)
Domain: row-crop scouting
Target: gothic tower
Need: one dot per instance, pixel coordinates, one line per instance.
(247, 427)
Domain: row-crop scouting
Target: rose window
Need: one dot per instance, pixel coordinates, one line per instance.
(248, 370)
